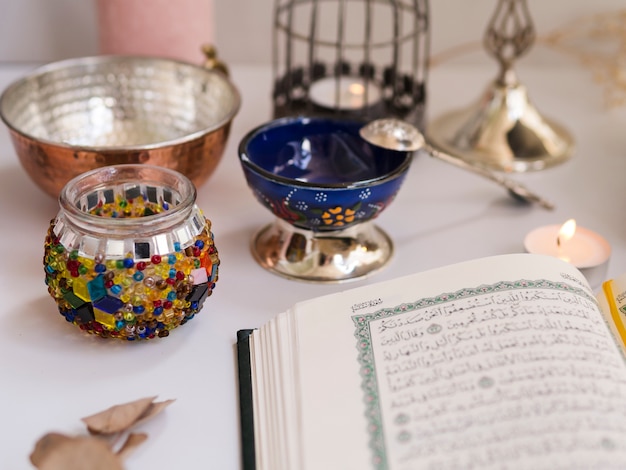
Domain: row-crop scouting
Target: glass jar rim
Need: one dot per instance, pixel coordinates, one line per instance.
(89, 183)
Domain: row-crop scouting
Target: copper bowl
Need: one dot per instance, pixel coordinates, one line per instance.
(75, 115)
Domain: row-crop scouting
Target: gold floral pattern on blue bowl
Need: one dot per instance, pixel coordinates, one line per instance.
(325, 185)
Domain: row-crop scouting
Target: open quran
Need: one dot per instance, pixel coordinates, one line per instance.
(503, 362)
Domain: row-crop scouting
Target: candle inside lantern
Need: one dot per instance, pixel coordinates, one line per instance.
(581, 247)
(347, 93)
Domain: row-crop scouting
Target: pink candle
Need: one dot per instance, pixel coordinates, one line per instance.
(165, 28)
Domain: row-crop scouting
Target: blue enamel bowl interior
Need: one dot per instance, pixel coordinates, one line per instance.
(308, 170)
(318, 152)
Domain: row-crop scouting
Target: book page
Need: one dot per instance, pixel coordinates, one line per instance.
(504, 362)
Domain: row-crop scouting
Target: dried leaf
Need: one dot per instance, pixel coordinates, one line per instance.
(80, 453)
(153, 410)
(133, 441)
(45, 445)
(118, 418)
(56, 451)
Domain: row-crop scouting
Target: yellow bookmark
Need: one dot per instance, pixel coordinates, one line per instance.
(607, 287)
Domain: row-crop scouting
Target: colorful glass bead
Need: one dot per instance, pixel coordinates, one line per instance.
(129, 289)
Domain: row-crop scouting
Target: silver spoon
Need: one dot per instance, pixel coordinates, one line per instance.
(394, 134)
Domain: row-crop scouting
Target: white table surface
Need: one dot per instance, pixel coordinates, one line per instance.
(52, 375)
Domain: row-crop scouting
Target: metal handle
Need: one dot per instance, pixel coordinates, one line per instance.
(516, 189)
(212, 61)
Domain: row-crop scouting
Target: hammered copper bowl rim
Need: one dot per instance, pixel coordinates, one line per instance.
(57, 66)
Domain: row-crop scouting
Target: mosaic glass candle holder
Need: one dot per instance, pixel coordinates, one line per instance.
(325, 185)
(130, 255)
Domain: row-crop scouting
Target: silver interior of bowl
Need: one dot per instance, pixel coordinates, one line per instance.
(119, 101)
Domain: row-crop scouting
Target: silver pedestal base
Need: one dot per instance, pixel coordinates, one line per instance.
(322, 257)
(503, 131)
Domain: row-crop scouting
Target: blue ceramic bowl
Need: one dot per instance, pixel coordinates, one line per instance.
(318, 173)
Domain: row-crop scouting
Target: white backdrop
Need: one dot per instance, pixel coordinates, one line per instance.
(47, 30)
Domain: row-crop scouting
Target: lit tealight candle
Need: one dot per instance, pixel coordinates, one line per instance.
(353, 94)
(583, 248)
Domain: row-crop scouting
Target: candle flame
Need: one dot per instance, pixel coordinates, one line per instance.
(356, 89)
(566, 232)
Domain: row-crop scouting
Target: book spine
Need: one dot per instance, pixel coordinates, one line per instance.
(245, 400)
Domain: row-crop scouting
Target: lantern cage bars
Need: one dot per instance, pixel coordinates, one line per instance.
(362, 59)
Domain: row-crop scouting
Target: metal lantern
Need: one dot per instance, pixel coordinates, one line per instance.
(503, 130)
(362, 59)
